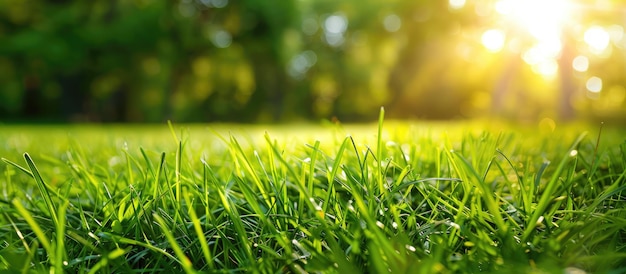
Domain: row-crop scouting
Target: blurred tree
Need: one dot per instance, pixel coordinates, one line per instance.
(267, 29)
(249, 61)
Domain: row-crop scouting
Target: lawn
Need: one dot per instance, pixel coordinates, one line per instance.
(400, 197)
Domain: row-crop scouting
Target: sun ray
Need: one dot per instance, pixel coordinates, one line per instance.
(543, 22)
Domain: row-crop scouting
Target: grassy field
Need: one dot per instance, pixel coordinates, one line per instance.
(400, 197)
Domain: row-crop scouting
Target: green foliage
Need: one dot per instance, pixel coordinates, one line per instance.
(395, 198)
(266, 61)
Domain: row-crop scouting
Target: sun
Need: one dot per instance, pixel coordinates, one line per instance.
(541, 21)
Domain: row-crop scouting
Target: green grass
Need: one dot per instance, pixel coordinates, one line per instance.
(394, 197)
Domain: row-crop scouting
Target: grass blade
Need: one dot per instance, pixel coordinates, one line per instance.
(184, 260)
(197, 226)
(43, 188)
(60, 239)
(106, 260)
(547, 194)
(332, 174)
(34, 226)
(18, 167)
(379, 152)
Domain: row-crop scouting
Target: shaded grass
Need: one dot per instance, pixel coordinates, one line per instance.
(395, 197)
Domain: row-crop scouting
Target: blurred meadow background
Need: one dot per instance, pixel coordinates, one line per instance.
(289, 136)
(253, 61)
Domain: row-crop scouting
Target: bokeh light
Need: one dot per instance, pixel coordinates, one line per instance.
(597, 38)
(456, 4)
(493, 40)
(544, 22)
(392, 23)
(289, 60)
(334, 28)
(221, 39)
(594, 84)
(301, 63)
(215, 3)
(580, 63)
(542, 19)
(309, 25)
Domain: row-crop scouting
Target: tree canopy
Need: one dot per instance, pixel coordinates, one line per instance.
(288, 60)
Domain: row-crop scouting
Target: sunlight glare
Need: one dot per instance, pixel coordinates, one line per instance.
(493, 40)
(544, 21)
(504, 7)
(597, 38)
(456, 4)
(547, 68)
(544, 52)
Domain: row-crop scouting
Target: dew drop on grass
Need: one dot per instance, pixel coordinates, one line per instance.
(317, 207)
(573, 153)
(394, 225)
(410, 248)
(19, 234)
(379, 224)
(454, 225)
(350, 207)
(456, 257)
(540, 220)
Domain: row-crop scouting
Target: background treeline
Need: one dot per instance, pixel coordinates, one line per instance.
(277, 60)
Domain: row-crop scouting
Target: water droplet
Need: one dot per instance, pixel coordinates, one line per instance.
(379, 224)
